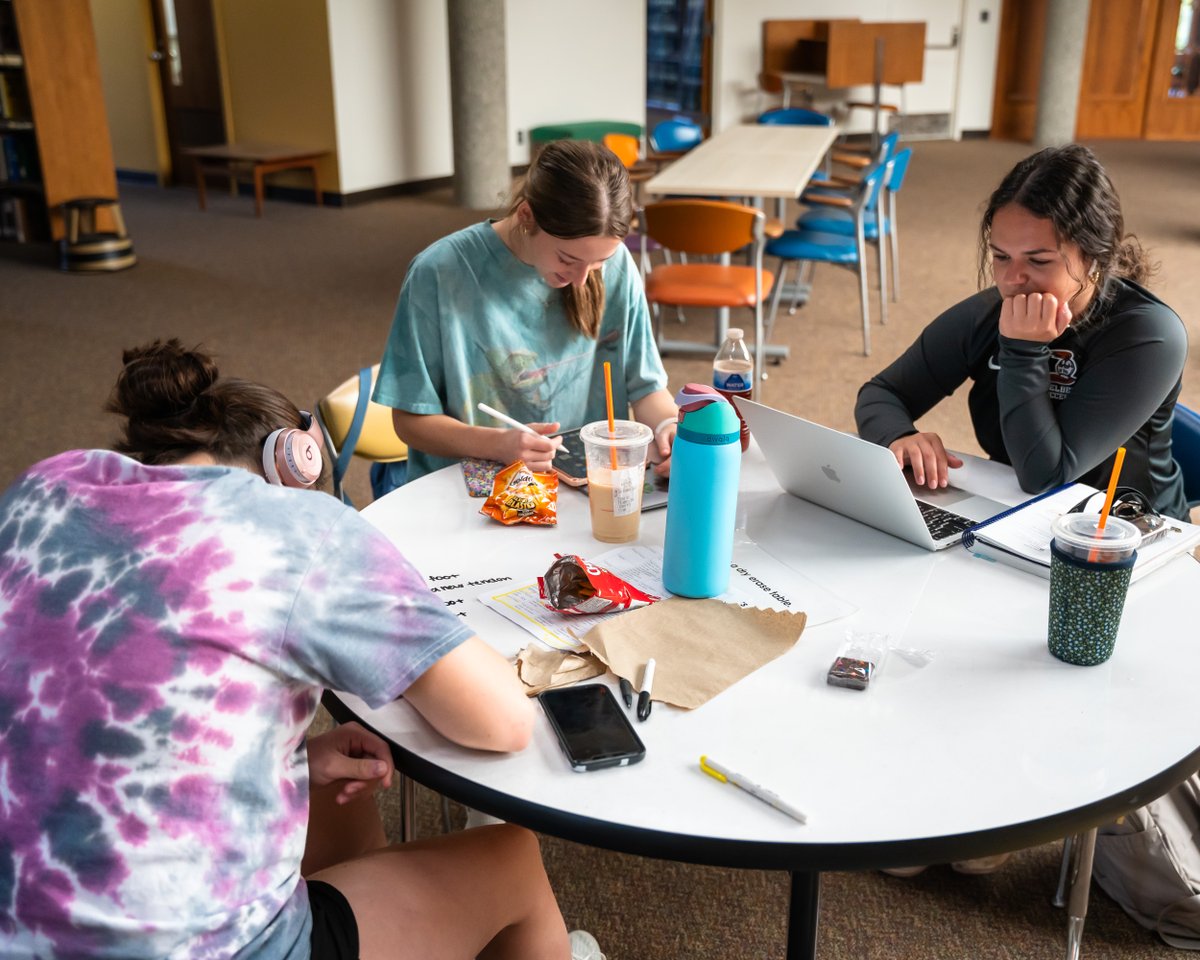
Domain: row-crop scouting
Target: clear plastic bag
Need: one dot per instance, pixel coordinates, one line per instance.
(861, 656)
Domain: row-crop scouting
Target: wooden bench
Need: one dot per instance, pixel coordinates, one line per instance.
(262, 159)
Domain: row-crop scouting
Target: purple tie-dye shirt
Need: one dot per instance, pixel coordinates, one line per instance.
(164, 636)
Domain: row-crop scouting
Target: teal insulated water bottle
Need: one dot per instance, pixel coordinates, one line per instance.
(702, 497)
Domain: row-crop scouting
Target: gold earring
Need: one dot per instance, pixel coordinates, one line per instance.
(1094, 276)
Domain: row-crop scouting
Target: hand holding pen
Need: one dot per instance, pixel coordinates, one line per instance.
(538, 455)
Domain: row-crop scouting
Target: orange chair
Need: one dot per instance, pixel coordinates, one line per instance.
(713, 228)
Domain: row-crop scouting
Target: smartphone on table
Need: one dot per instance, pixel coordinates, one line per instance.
(591, 727)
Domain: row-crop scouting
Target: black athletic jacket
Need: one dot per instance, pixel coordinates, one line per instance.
(1056, 412)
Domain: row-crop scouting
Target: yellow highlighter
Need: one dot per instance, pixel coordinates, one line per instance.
(725, 775)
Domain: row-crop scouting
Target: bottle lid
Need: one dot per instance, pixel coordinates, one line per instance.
(1081, 532)
(706, 412)
(734, 333)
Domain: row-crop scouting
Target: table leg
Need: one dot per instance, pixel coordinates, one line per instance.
(804, 907)
(1080, 888)
(200, 184)
(408, 808)
(316, 183)
(258, 189)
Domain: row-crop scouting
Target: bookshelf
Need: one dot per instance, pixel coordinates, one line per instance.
(54, 139)
(675, 56)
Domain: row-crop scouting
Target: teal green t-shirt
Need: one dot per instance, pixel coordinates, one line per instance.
(475, 323)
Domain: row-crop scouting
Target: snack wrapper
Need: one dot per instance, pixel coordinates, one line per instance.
(521, 496)
(575, 586)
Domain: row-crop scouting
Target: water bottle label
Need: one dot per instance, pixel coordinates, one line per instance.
(733, 382)
(707, 439)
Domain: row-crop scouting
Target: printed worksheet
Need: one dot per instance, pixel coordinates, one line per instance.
(757, 580)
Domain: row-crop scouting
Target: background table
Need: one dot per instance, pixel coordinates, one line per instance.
(750, 160)
(993, 746)
(262, 159)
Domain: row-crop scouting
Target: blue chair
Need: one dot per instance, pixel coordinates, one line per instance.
(839, 220)
(814, 246)
(673, 138)
(1185, 448)
(795, 117)
(822, 182)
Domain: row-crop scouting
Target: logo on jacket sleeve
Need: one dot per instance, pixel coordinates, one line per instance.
(1064, 371)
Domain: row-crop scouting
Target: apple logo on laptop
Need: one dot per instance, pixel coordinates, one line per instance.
(831, 473)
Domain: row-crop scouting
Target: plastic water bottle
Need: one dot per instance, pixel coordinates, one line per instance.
(733, 373)
(702, 496)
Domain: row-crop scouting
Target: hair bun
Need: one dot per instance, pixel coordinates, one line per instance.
(161, 380)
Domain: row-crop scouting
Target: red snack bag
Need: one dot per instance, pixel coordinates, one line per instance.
(521, 496)
(573, 585)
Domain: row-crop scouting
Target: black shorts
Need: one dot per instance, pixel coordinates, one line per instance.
(334, 929)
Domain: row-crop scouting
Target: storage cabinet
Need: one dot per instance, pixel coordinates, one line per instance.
(54, 139)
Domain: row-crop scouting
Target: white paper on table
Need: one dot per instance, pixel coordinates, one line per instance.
(758, 580)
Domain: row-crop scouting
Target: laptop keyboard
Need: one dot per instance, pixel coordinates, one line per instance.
(943, 523)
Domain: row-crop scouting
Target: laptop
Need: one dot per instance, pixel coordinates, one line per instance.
(859, 480)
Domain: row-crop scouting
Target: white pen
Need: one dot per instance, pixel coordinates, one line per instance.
(505, 418)
(643, 707)
(725, 775)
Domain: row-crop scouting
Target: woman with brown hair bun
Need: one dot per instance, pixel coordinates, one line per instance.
(168, 621)
(479, 319)
(1070, 355)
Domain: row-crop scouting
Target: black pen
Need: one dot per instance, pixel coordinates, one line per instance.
(627, 692)
(643, 710)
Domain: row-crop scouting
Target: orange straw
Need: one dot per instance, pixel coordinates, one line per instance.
(1108, 500)
(612, 425)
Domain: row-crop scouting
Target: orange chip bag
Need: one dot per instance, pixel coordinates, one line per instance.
(521, 496)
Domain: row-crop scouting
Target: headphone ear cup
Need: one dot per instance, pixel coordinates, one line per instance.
(292, 458)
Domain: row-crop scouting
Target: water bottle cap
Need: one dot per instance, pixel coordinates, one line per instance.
(693, 396)
(734, 333)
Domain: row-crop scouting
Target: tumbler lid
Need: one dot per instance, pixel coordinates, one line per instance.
(1081, 531)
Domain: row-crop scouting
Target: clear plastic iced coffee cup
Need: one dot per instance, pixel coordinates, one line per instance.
(616, 471)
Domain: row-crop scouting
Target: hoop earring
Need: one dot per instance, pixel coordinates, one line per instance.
(1094, 276)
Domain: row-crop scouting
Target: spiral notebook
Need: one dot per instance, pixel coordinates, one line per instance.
(1020, 537)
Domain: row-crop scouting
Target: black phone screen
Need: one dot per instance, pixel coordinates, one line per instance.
(574, 463)
(591, 727)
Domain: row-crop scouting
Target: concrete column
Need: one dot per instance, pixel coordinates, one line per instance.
(1062, 72)
(479, 102)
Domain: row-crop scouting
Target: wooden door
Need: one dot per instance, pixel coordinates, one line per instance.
(190, 77)
(1116, 68)
(1173, 97)
(1018, 69)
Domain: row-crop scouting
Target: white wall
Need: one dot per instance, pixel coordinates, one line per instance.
(391, 91)
(737, 55)
(574, 60)
(391, 79)
(977, 64)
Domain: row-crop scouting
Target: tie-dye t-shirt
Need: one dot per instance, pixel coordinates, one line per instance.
(475, 323)
(164, 636)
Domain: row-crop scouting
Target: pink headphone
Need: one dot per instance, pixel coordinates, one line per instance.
(292, 457)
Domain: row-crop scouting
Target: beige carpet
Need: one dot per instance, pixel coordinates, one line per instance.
(304, 296)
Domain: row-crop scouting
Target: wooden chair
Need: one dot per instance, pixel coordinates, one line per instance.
(710, 228)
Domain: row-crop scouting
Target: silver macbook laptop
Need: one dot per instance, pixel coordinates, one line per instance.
(860, 480)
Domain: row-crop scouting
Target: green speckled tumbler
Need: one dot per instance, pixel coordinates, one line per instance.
(1089, 577)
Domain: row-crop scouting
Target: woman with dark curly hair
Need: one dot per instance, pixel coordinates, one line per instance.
(1070, 355)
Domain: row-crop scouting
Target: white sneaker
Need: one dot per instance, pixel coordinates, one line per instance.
(584, 946)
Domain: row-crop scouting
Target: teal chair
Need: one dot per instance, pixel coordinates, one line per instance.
(828, 219)
(794, 117)
(810, 247)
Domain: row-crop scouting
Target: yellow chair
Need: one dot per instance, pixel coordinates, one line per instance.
(356, 426)
(713, 228)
